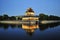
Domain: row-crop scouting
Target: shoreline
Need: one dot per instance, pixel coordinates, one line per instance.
(31, 22)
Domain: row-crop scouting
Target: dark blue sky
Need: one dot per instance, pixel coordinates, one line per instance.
(18, 7)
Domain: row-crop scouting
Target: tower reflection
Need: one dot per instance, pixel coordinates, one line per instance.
(29, 28)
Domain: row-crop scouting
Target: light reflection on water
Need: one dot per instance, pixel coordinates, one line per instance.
(30, 32)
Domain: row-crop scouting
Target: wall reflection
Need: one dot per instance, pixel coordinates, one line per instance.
(42, 27)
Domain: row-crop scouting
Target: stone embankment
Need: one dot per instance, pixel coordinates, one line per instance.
(18, 22)
(31, 22)
(49, 21)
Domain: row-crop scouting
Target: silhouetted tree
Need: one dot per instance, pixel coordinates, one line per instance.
(19, 18)
(46, 17)
(43, 17)
(1, 17)
(12, 18)
(5, 17)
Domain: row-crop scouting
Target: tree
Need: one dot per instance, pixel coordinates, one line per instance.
(43, 17)
(5, 17)
(46, 17)
(12, 18)
(19, 18)
(1, 17)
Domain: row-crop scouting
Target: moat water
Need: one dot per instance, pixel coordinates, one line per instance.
(43, 32)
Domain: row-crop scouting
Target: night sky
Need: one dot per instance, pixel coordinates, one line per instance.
(18, 7)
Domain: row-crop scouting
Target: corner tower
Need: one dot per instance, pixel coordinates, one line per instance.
(29, 12)
(29, 16)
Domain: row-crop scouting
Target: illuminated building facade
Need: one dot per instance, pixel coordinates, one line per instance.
(29, 15)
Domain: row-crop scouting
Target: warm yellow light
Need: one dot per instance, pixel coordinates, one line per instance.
(29, 13)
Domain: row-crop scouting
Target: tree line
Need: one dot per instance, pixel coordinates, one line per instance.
(46, 17)
(41, 17)
(6, 17)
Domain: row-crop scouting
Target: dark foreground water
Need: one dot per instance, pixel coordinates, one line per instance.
(16, 32)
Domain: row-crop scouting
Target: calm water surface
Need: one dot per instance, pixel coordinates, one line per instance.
(42, 32)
